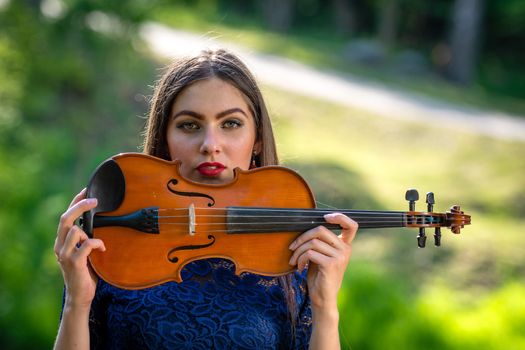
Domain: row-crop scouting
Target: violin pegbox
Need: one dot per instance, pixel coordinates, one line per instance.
(455, 219)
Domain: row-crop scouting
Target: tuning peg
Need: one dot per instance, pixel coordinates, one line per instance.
(412, 196)
(421, 238)
(430, 201)
(437, 237)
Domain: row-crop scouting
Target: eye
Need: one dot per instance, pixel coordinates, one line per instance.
(232, 124)
(188, 125)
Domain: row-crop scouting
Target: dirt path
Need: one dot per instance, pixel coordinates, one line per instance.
(295, 77)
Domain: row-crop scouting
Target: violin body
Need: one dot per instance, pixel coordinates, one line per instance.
(153, 221)
(135, 259)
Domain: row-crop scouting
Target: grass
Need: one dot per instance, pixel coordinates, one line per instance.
(435, 298)
(392, 155)
(356, 160)
(393, 293)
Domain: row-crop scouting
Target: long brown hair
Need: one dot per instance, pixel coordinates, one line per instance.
(228, 67)
(208, 64)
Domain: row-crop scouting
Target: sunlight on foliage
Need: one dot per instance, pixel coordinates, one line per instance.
(462, 295)
(72, 95)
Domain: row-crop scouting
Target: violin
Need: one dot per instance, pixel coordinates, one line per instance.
(153, 221)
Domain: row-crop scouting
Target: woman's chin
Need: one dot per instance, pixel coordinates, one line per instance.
(212, 180)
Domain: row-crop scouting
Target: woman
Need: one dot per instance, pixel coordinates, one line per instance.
(207, 112)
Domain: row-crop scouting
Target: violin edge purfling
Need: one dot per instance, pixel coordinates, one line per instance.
(153, 221)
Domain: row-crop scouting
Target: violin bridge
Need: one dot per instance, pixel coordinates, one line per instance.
(191, 217)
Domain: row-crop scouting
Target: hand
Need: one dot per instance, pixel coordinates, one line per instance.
(72, 248)
(327, 256)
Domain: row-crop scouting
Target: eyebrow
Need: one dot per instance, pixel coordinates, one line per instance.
(200, 116)
(230, 111)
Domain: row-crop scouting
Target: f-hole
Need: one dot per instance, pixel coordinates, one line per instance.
(175, 259)
(173, 182)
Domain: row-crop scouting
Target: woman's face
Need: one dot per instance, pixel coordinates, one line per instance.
(211, 131)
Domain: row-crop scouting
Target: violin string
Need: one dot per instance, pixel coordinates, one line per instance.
(304, 217)
(248, 230)
(273, 223)
(291, 215)
(273, 216)
(239, 230)
(326, 206)
(361, 220)
(288, 210)
(363, 216)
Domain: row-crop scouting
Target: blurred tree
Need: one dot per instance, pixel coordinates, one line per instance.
(464, 39)
(344, 16)
(502, 56)
(388, 21)
(72, 84)
(464, 42)
(278, 14)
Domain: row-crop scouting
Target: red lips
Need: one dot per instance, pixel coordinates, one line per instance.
(210, 169)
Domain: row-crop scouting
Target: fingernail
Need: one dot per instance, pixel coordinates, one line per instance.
(91, 201)
(292, 246)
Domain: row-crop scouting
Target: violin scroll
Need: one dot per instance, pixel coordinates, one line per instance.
(456, 219)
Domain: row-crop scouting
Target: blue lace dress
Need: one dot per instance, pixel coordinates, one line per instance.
(211, 309)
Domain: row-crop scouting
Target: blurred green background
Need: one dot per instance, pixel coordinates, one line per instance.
(75, 80)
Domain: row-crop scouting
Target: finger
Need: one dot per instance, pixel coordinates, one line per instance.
(74, 212)
(87, 247)
(348, 226)
(314, 244)
(63, 246)
(81, 195)
(311, 256)
(78, 245)
(74, 237)
(67, 219)
(62, 229)
(320, 232)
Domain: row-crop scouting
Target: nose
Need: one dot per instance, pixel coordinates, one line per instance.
(211, 142)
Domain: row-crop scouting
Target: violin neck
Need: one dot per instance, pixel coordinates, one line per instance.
(259, 220)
